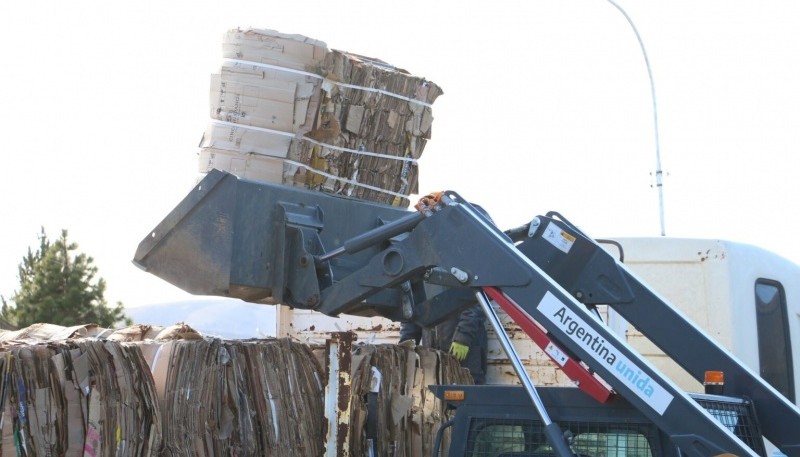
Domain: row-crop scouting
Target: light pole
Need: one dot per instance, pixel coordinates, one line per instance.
(659, 172)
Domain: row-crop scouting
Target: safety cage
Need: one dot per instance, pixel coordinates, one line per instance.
(526, 438)
(499, 421)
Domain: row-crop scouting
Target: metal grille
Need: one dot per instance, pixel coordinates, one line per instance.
(525, 438)
(738, 416)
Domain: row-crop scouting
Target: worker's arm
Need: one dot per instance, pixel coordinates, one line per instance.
(471, 323)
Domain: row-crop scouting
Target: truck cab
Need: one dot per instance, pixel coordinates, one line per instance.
(745, 297)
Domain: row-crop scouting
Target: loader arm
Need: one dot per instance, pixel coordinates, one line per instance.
(272, 244)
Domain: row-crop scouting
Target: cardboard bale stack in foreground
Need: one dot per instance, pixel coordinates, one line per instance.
(285, 109)
(52, 332)
(259, 397)
(157, 334)
(408, 413)
(77, 398)
(81, 391)
(66, 392)
(149, 391)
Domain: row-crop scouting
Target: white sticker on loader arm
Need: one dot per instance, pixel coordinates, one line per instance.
(604, 353)
(556, 354)
(558, 238)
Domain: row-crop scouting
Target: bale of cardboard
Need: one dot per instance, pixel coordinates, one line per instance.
(77, 397)
(286, 109)
(406, 413)
(242, 397)
(152, 390)
(149, 390)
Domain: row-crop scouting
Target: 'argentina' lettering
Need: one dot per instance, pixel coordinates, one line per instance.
(593, 342)
(605, 352)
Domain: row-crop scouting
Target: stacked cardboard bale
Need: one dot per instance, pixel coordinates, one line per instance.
(82, 397)
(285, 109)
(407, 413)
(52, 332)
(67, 392)
(260, 397)
(150, 390)
(157, 333)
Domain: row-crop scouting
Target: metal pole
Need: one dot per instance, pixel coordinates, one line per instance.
(551, 429)
(659, 172)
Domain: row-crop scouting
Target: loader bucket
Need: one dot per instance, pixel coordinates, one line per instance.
(230, 237)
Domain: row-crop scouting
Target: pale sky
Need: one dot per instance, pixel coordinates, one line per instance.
(546, 107)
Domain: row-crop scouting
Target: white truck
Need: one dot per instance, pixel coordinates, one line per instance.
(747, 298)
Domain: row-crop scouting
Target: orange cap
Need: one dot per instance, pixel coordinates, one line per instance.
(714, 377)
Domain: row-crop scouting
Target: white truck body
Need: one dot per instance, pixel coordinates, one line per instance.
(729, 289)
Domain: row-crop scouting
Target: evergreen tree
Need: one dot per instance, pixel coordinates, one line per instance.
(58, 286)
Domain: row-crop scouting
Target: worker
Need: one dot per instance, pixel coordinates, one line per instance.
(462, 335)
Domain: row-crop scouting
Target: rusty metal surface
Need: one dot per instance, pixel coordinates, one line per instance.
(338, 364)
(314, 328)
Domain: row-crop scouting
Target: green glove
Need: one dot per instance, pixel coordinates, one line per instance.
(459, 350)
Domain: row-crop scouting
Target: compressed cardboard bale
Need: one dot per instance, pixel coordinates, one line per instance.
(179, 331)
(374, 123)
(394, 98)
(136, 332)
(82, 397)
(258, 397)
(341, 123)
(408, 414)
(53, 332)
(142, 332)
(267, 81)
